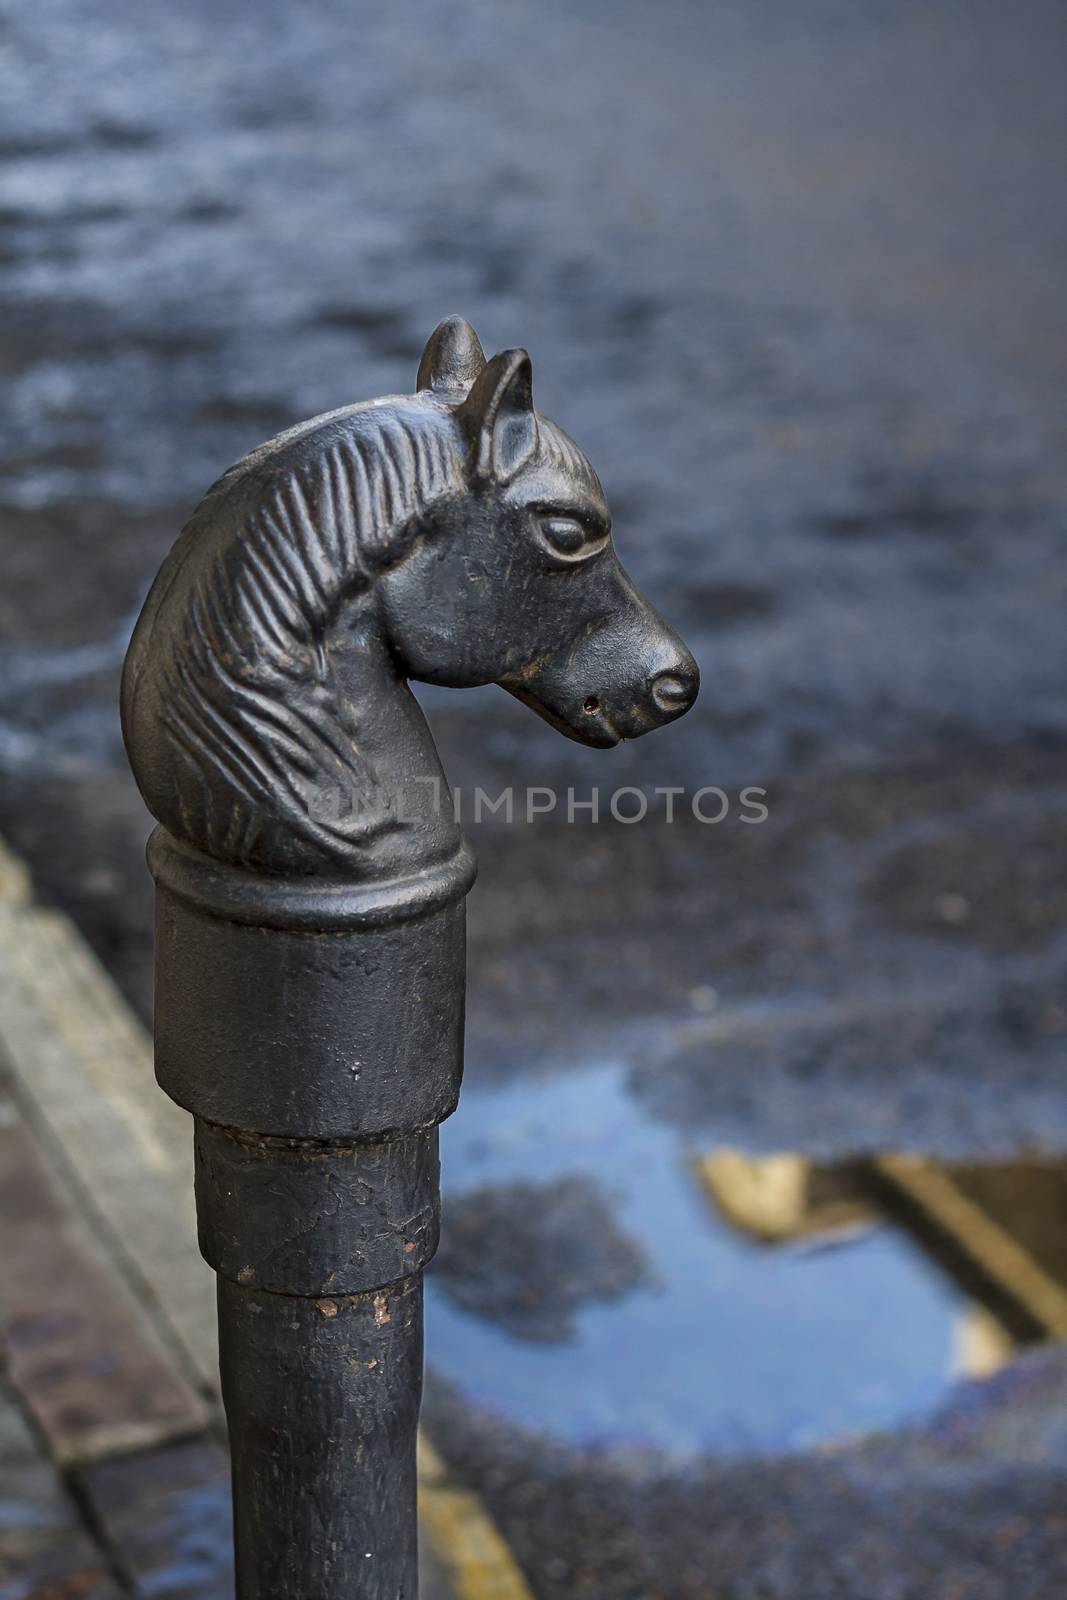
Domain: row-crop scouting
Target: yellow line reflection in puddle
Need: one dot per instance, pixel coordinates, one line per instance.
(966, 1215)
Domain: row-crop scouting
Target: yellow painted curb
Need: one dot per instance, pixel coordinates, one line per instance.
(464, 1536)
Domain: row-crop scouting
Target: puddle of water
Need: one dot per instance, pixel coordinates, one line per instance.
(734, 1346)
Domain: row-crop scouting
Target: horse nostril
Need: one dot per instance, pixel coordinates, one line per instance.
(591, 706)
(673, 691)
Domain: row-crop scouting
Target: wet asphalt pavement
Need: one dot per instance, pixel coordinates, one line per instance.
(793, 277)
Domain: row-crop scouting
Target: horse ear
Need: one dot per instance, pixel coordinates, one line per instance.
(453, 357)
(498, 417)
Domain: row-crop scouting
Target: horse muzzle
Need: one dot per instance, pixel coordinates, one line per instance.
(602, 701)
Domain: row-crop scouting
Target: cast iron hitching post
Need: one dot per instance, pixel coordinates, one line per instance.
(310, 894)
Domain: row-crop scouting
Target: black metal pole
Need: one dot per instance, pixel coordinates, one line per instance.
(310, 888)
(323, 1399)
(319, 1237)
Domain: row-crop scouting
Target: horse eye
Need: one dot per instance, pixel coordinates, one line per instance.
(567, 537)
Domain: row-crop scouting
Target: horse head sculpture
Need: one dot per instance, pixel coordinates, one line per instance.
(311, 887)
(454, 537)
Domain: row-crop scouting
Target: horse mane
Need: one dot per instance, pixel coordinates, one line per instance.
(246, 693)
(321, 508)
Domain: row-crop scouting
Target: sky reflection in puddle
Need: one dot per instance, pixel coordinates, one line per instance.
(733, 1346)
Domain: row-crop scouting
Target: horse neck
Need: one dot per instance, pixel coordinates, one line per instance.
(395, 744)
